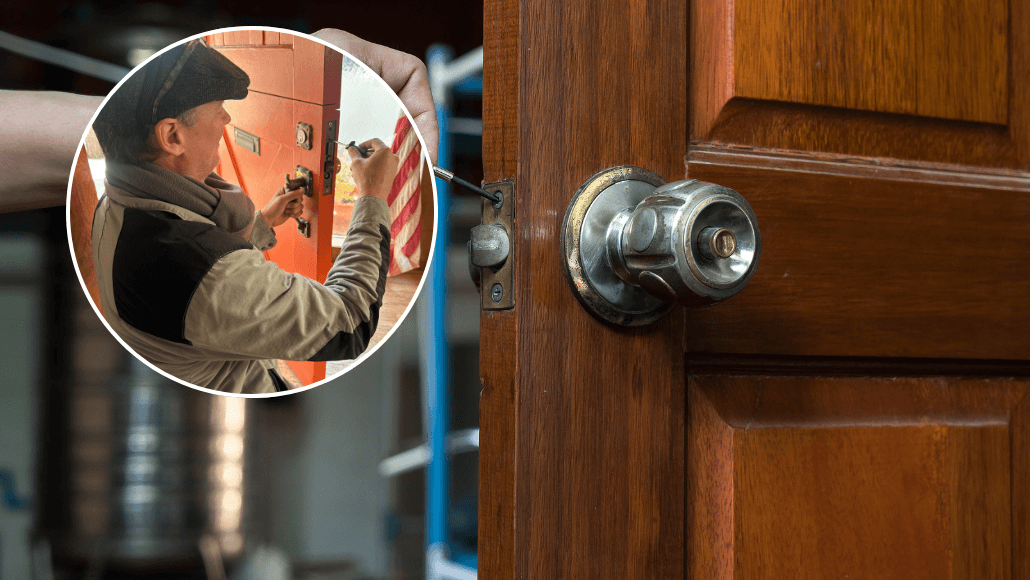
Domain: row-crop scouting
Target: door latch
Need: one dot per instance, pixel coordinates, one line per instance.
(329, 160)
(491, 253)
(303, 180)
(305, 140)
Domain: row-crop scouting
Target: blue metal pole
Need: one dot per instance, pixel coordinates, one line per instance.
(439, 371)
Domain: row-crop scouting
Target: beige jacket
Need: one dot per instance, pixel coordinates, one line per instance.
(205, 306)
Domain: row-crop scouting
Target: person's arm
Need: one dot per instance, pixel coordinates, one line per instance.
(39, 132)
(280, 208)
(405, 74)
(247, 307)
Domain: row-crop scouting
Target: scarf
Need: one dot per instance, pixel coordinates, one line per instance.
(216, 199)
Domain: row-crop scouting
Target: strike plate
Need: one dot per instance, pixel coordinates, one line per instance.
(329, 162)
(497, 287)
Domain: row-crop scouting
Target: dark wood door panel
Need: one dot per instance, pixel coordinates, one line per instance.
(857, 477)
(941, 82)
(582, 440)
(893, 226)
(931, 58)
(873, 260)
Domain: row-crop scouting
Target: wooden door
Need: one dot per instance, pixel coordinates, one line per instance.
(292, 80)
(860, 410)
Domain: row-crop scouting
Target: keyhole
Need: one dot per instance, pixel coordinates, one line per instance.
(717, 243)
(724, 243)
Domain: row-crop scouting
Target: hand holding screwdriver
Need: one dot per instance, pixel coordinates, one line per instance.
(373, 174)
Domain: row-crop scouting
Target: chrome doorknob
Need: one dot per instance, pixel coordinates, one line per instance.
(634, 245)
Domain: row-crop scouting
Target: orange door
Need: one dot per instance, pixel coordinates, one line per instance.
(862, 408)
(283, 124)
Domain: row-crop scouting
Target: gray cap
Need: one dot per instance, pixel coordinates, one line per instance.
(204, 76)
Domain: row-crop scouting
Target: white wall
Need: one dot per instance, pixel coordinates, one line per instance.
(368, 108)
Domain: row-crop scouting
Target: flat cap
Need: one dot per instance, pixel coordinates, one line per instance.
(179, 79)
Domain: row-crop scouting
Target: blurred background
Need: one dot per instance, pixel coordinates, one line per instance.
(107, 470)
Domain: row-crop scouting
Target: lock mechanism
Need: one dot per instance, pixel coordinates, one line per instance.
(305, 136)
(634, 246)
(490, 249)
(303, 179)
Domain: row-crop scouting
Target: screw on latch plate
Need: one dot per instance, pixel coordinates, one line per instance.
(496, 293)
(305, 135)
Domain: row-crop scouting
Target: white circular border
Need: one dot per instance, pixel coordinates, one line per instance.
(364, 355)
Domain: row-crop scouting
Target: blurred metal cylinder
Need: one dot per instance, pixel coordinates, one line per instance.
(153, 469)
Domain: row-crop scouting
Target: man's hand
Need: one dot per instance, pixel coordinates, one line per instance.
(405, 74)
(374, 175)
(283, 206)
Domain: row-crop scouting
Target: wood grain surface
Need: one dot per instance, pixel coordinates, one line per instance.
(919, 57)
(894, 232)
(581, 471)
(498, 438)
(853, 477)
(928, 81)
(874, 260)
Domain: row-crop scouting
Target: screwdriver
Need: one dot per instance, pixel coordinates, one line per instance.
(439, 172)
(450, 177)
(364, 151)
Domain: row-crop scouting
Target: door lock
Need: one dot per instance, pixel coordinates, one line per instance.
(634, 246)
(302, 180)
(490, 248)
(491, 262)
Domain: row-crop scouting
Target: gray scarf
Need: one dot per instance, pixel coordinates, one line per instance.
(216, 199)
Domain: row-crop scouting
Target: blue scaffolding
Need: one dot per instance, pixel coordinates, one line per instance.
(447, 77)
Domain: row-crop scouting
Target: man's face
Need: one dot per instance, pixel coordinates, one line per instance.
(202, 138)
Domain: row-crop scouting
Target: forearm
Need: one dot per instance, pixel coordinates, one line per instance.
(359, 271)
(39, 133)
(359, 278)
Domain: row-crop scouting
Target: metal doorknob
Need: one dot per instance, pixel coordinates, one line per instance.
(635, 246)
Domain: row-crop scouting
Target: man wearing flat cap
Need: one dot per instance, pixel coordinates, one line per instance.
(178, 250)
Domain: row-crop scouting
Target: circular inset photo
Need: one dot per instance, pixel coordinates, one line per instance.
(252, 211)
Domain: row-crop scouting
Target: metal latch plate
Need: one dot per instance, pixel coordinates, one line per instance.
(329, 162)
(497, 289)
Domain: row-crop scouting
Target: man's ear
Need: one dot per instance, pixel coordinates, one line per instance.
(169, 137)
